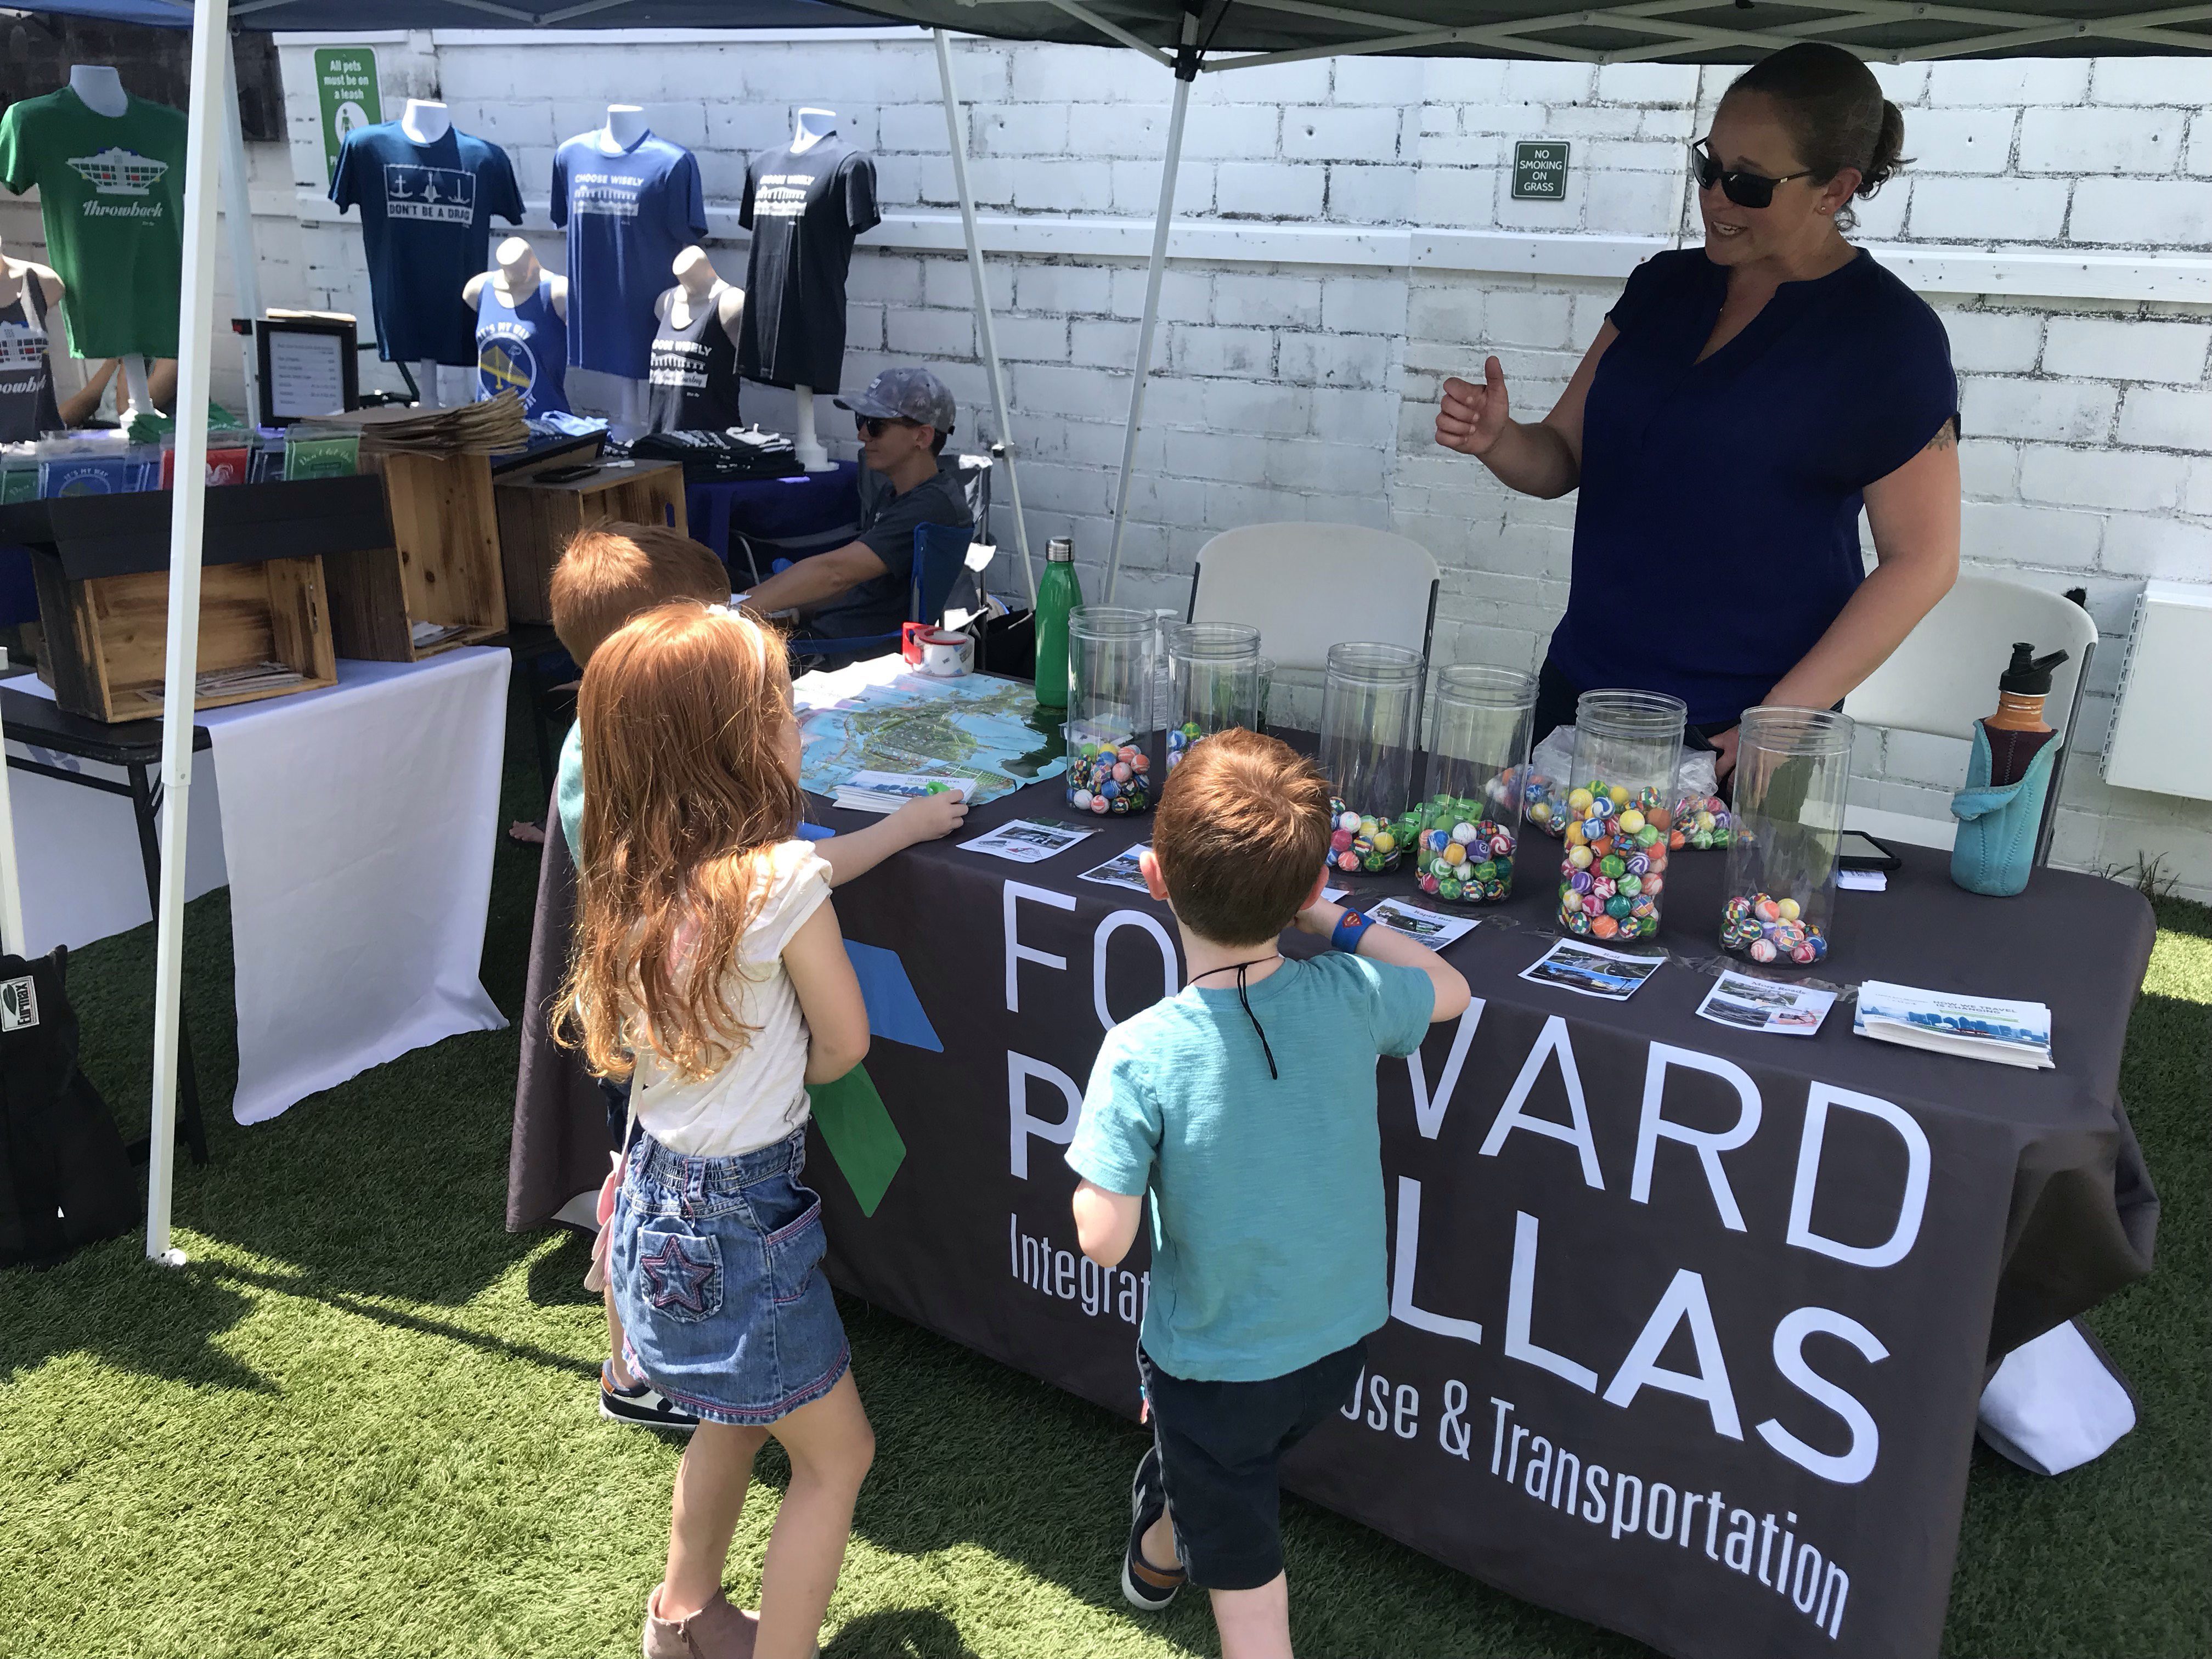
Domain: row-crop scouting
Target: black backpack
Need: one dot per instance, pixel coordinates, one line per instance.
(66, 1181)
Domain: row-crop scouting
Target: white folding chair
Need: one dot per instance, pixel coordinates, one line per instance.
(1308, 587)
(1944, 677)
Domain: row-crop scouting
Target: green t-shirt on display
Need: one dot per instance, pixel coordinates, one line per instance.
(111, 189)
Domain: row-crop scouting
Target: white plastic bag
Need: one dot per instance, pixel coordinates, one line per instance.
(1551, 770)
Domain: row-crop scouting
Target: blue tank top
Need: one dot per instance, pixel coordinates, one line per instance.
(522, 348)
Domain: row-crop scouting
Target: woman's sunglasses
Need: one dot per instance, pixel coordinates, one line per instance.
(1746, 189)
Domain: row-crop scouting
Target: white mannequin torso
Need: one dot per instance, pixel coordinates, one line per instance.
(424, 122)
(99, 88)
(625, 126)
(699, 287)
(516, 276)
(813, 126)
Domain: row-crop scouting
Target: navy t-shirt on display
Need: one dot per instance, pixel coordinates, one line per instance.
(804, 208)
(426, 213)
(628, 214)
(1717, 533)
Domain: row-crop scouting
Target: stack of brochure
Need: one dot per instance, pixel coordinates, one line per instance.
(1977, 1028)
(886, 792)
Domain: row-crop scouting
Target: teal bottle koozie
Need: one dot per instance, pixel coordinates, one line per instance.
(1997, 825)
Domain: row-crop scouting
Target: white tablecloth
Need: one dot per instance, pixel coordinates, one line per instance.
(357, 827)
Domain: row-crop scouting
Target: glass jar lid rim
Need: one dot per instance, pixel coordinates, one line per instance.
(1783, 728)
(1373, 663)
(1215, 640)
(1621, 712)
(1486, 685)
(1111, 619)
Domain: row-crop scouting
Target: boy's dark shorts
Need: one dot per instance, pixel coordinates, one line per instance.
(1221, 1446)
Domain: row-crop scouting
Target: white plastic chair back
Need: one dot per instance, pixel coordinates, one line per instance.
(1308, 587)
(1944, 677)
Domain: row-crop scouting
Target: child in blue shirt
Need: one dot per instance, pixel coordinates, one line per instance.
(1246, 1105)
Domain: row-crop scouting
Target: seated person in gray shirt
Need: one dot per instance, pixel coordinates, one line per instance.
(860, 589)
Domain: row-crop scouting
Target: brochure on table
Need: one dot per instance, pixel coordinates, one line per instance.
(1974, 1028)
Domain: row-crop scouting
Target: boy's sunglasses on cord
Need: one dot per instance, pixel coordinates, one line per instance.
(1746, 189)
(871, 426)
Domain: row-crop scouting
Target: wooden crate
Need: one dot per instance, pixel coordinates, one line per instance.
(107, 637)
(441, 566)
(102, 567)
(538, 515)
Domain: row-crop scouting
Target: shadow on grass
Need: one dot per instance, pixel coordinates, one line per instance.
(397, 1319)
(920, 1633)
(111, 1303)
(951, 1425)
(556, 1278)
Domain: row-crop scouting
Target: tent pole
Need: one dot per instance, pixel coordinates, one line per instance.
(195, 343)
(990, 337)
(1186, 72)
(12, 939)
(237, 222)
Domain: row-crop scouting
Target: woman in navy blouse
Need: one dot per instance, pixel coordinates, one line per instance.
(1740, 405)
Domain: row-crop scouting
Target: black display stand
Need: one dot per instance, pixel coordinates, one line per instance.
(127, 533)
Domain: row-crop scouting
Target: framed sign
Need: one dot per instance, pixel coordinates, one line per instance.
(1540, 171)
(308, 368)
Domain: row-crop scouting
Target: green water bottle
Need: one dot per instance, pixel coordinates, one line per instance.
(1057, 594)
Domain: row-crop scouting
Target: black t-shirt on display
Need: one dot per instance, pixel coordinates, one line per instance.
(693, 380)
(804, 210)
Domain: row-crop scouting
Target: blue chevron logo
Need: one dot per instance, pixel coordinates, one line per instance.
(895, 1012)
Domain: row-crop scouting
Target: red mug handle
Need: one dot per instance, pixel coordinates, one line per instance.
(910, 636)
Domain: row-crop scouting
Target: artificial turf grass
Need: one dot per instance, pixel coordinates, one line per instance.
(2110, 1559)
(362, 1423)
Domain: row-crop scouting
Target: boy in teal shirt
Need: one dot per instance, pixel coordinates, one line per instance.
(1246, 1105)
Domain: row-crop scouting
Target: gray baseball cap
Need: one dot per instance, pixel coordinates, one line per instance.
(904, 394)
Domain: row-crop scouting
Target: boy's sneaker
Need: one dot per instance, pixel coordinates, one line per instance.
(1143, 1586)
(641, 1405)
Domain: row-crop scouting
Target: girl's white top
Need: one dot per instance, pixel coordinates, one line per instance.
(760, 1095)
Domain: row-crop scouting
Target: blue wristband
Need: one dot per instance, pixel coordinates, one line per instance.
(1347, 936)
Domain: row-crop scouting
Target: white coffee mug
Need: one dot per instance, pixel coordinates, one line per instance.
(947, 656)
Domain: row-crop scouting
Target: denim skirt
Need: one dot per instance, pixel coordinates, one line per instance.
(717, 1269)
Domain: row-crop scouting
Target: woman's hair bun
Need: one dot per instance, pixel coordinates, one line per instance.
(1888, 151)
(1835, 113)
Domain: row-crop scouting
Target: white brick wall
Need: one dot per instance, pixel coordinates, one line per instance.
(1307, 391)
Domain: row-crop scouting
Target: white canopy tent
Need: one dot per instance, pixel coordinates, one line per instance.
(1187, 37)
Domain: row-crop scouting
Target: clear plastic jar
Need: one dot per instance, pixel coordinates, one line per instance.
(1618, 813)
(1370, 710)
(1165, 622)
(1265, 676)
(1213, 683)
(1468, 828)
(1110, 656)
(1793, 770)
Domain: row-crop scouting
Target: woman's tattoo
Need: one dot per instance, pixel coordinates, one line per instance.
(1947, 436)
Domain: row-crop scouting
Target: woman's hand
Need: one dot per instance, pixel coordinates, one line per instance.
(1470, 418)
(1543, 458)
(1723, 744)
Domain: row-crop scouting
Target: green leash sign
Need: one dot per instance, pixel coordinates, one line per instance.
(345, 86)
(1540, 171)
